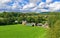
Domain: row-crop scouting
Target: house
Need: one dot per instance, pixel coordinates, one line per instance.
(24, 22)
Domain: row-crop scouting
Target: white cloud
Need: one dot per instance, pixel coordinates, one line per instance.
(54, 6)
(3, 4)
(44, 10)
(41, 5)
(28, 6)
(35, 1)
(15, 5)
(34, 9)
(49, 1)
(5, 1)
(31, 6)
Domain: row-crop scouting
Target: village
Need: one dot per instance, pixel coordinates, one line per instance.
(24, 22)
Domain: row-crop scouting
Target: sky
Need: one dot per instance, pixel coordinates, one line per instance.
(30, 5)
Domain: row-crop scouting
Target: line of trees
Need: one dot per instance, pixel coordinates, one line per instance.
(11, 17)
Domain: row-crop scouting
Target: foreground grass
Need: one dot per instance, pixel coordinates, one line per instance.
(20, 31)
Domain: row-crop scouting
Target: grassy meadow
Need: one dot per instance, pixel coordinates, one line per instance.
(22, 31)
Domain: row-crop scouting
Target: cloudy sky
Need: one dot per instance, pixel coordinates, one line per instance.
(30, 5)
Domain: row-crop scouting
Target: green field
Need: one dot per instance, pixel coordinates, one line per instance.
(20, 31)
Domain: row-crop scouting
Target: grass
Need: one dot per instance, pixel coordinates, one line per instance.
(22, 31)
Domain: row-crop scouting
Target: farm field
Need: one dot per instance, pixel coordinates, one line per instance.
(22, 31)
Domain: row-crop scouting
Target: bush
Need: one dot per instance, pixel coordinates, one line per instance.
(54, 23)
(3, 21)
(6, 21)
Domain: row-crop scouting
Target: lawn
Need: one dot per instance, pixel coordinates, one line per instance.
(22, 31)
